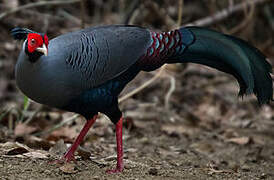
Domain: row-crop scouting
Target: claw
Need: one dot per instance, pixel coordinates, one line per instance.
(114, 171)
(69, 156)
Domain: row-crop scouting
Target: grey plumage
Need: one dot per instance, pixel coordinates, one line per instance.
(103, 53)
(79, 61)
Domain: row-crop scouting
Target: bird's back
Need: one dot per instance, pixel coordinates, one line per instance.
(102, 53)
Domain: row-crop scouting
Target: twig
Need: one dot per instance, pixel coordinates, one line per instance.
(172, 79)
(36, 13)
(133, 16)
(135, 91)
(244, 23)
(170, 91)
(268, 12)
(161, 13)
(83, 13)
(46, 23)
(68, 16)
(10, 3)
(10, 122)
(180, 12)
(25, 108)
(4, 113)
(131, 13)
(37, 4)
(33, 115)
(224, 13)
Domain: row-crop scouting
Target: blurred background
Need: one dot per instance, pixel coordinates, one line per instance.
(184, 108)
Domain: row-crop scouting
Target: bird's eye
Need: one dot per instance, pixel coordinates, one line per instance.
(33, 41)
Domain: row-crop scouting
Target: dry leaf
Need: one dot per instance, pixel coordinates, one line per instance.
(17, 150)
(14, 149)
(59, 148)
(22, 129)
(230, 133)
(84, 154)
(240, 140)
(203, 147)
(39, 154)
(178, 129)
(164, 152)
(67, 133)
(38, 143)
(68, 168)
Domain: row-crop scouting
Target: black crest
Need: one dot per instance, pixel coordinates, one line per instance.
(20, 33)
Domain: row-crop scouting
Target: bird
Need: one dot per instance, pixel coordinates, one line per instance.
(84, 71)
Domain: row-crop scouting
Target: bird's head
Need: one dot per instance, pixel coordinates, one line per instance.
(36, 44)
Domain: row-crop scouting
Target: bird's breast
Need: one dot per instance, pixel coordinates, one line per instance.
(45, 81)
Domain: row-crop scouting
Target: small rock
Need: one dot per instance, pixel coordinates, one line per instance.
(263, 176)
(203, 147)
(245, 168)
(240, 140)
(68, 168)
(96, 178)
(59, 148)
(47, 171)
(153, 171)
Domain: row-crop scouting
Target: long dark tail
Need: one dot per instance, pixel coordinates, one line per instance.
(231, 55)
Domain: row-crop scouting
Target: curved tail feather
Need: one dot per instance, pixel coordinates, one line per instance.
(231, 55)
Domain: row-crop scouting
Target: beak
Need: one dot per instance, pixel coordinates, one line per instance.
(43, 49)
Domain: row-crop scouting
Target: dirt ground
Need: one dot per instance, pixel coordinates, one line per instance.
(165, 151)
(159, 144)
(201, 131)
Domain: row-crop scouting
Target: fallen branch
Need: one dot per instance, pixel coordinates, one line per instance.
(37, 4)
(223, 14)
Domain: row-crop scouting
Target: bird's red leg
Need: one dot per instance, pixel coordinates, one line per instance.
(70, 153)
(119, 142)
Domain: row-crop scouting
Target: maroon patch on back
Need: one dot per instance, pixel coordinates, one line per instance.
(163, 46)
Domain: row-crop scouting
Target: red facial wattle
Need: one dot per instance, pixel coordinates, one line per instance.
(46, 40)
(34, 41)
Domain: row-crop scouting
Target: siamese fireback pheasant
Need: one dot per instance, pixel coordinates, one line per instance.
(84, 71)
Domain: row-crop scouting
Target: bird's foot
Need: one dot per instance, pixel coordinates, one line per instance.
(68, 157)
(118, 169)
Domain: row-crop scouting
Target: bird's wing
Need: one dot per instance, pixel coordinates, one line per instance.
(103, 53)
